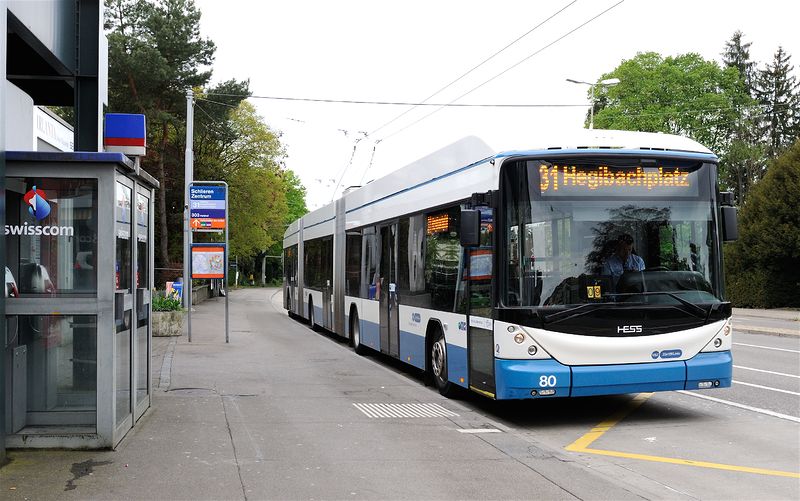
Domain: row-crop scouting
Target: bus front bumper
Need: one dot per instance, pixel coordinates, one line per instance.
(519, 379)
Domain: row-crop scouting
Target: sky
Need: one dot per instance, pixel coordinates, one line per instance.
(390, 51)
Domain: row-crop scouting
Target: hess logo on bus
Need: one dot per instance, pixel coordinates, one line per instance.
(629, 329)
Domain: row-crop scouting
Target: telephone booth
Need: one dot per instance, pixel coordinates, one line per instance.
(79, 276)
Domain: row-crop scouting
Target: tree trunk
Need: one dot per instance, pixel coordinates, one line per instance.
(162, 202)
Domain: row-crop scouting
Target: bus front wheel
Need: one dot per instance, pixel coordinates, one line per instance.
(439, 365)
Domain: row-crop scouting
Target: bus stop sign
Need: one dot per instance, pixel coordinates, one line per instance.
(207, 207)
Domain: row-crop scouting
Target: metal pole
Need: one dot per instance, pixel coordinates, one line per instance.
(227, 292)
(187, 236)
(591, 109)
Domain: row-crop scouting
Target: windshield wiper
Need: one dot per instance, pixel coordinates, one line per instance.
(688, 306)
(574, 312)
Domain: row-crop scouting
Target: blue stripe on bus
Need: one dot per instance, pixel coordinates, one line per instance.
(716, 366)
(516, 378)
(628, 378)
(370, 335)
(412, 349)
(457, 365)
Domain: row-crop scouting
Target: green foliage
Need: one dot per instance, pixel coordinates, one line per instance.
(162, 302)
(684, 95)
(156, 53)
(777, 91)
(763, 266)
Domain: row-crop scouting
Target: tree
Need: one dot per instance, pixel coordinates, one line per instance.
(744, 162)
(156, 54)
(683, 95)
(777, 91)
(737, 55)
(763, 265)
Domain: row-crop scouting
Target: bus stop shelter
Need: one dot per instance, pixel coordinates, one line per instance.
(79, 274)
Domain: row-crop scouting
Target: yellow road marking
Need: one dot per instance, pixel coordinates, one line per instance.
(582, 445)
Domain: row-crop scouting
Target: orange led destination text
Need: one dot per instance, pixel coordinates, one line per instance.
(551, 178)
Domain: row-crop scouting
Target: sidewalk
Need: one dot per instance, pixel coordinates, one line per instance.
(776, 322)
(180, 449)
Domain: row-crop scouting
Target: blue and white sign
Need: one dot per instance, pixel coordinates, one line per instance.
(207, 207)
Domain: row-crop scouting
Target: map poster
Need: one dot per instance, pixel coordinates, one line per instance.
(208, 261)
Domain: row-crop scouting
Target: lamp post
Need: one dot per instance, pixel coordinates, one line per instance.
(607, 82)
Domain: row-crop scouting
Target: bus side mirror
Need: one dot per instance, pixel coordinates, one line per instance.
(470, 231)
(730, 225)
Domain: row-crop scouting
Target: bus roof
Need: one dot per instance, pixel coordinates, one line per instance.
(613, 139)
(471, 151)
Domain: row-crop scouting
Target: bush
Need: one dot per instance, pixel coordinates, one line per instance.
(762, 268)
(165, 303)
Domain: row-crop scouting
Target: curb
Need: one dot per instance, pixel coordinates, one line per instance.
(768, 331)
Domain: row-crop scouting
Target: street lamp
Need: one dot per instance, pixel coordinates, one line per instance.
(607, 82)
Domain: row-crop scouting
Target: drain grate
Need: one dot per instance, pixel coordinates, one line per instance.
(404, 410)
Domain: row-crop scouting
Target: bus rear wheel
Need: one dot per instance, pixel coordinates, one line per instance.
(355, 334)
(439, 365)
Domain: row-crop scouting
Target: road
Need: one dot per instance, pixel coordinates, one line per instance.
(284, 412)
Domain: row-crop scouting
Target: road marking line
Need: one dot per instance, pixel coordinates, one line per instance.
(767, 388)
(768, 372)
(767, 347)
(479, 430)
(743, 406)
(582, 445)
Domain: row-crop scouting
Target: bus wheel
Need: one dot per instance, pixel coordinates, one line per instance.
(355, 334)
(311, 313)
(439, 365)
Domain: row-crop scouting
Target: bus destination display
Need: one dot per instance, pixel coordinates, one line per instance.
(602, 180)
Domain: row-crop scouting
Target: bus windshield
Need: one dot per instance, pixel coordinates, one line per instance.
(608, 230)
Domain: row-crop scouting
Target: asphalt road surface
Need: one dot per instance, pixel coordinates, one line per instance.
(284, 412)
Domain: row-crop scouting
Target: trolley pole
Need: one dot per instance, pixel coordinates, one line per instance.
(187, 232)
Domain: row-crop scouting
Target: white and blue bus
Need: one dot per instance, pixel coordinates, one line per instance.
(589, 266)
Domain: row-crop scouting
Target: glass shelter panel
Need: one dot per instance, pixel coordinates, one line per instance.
(60, 364)
(142, 295)
(51, 236)
(122, 300)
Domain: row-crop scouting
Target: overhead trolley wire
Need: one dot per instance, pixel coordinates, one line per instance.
(475, 67)
(507, 69)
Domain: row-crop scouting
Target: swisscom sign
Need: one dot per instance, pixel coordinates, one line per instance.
(207, 207)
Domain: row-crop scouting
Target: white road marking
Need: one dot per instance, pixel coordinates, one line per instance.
(479, 430)
(767, 347)
(742, 406)
(403, 410)
(767, 388)
(768, 372)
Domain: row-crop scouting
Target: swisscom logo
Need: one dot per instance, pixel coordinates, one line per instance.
(37, 204)
(39, 208)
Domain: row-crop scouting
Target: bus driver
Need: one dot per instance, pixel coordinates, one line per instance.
(623, 259)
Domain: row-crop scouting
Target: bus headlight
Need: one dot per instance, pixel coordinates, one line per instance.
(717, 343)
(519, 338)
(532, 349)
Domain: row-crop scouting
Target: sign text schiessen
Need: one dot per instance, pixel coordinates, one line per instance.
(207, 207)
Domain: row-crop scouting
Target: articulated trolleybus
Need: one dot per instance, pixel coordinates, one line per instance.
(591, 266)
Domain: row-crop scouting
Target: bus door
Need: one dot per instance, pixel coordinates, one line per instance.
(480, 326)
(389, 319)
